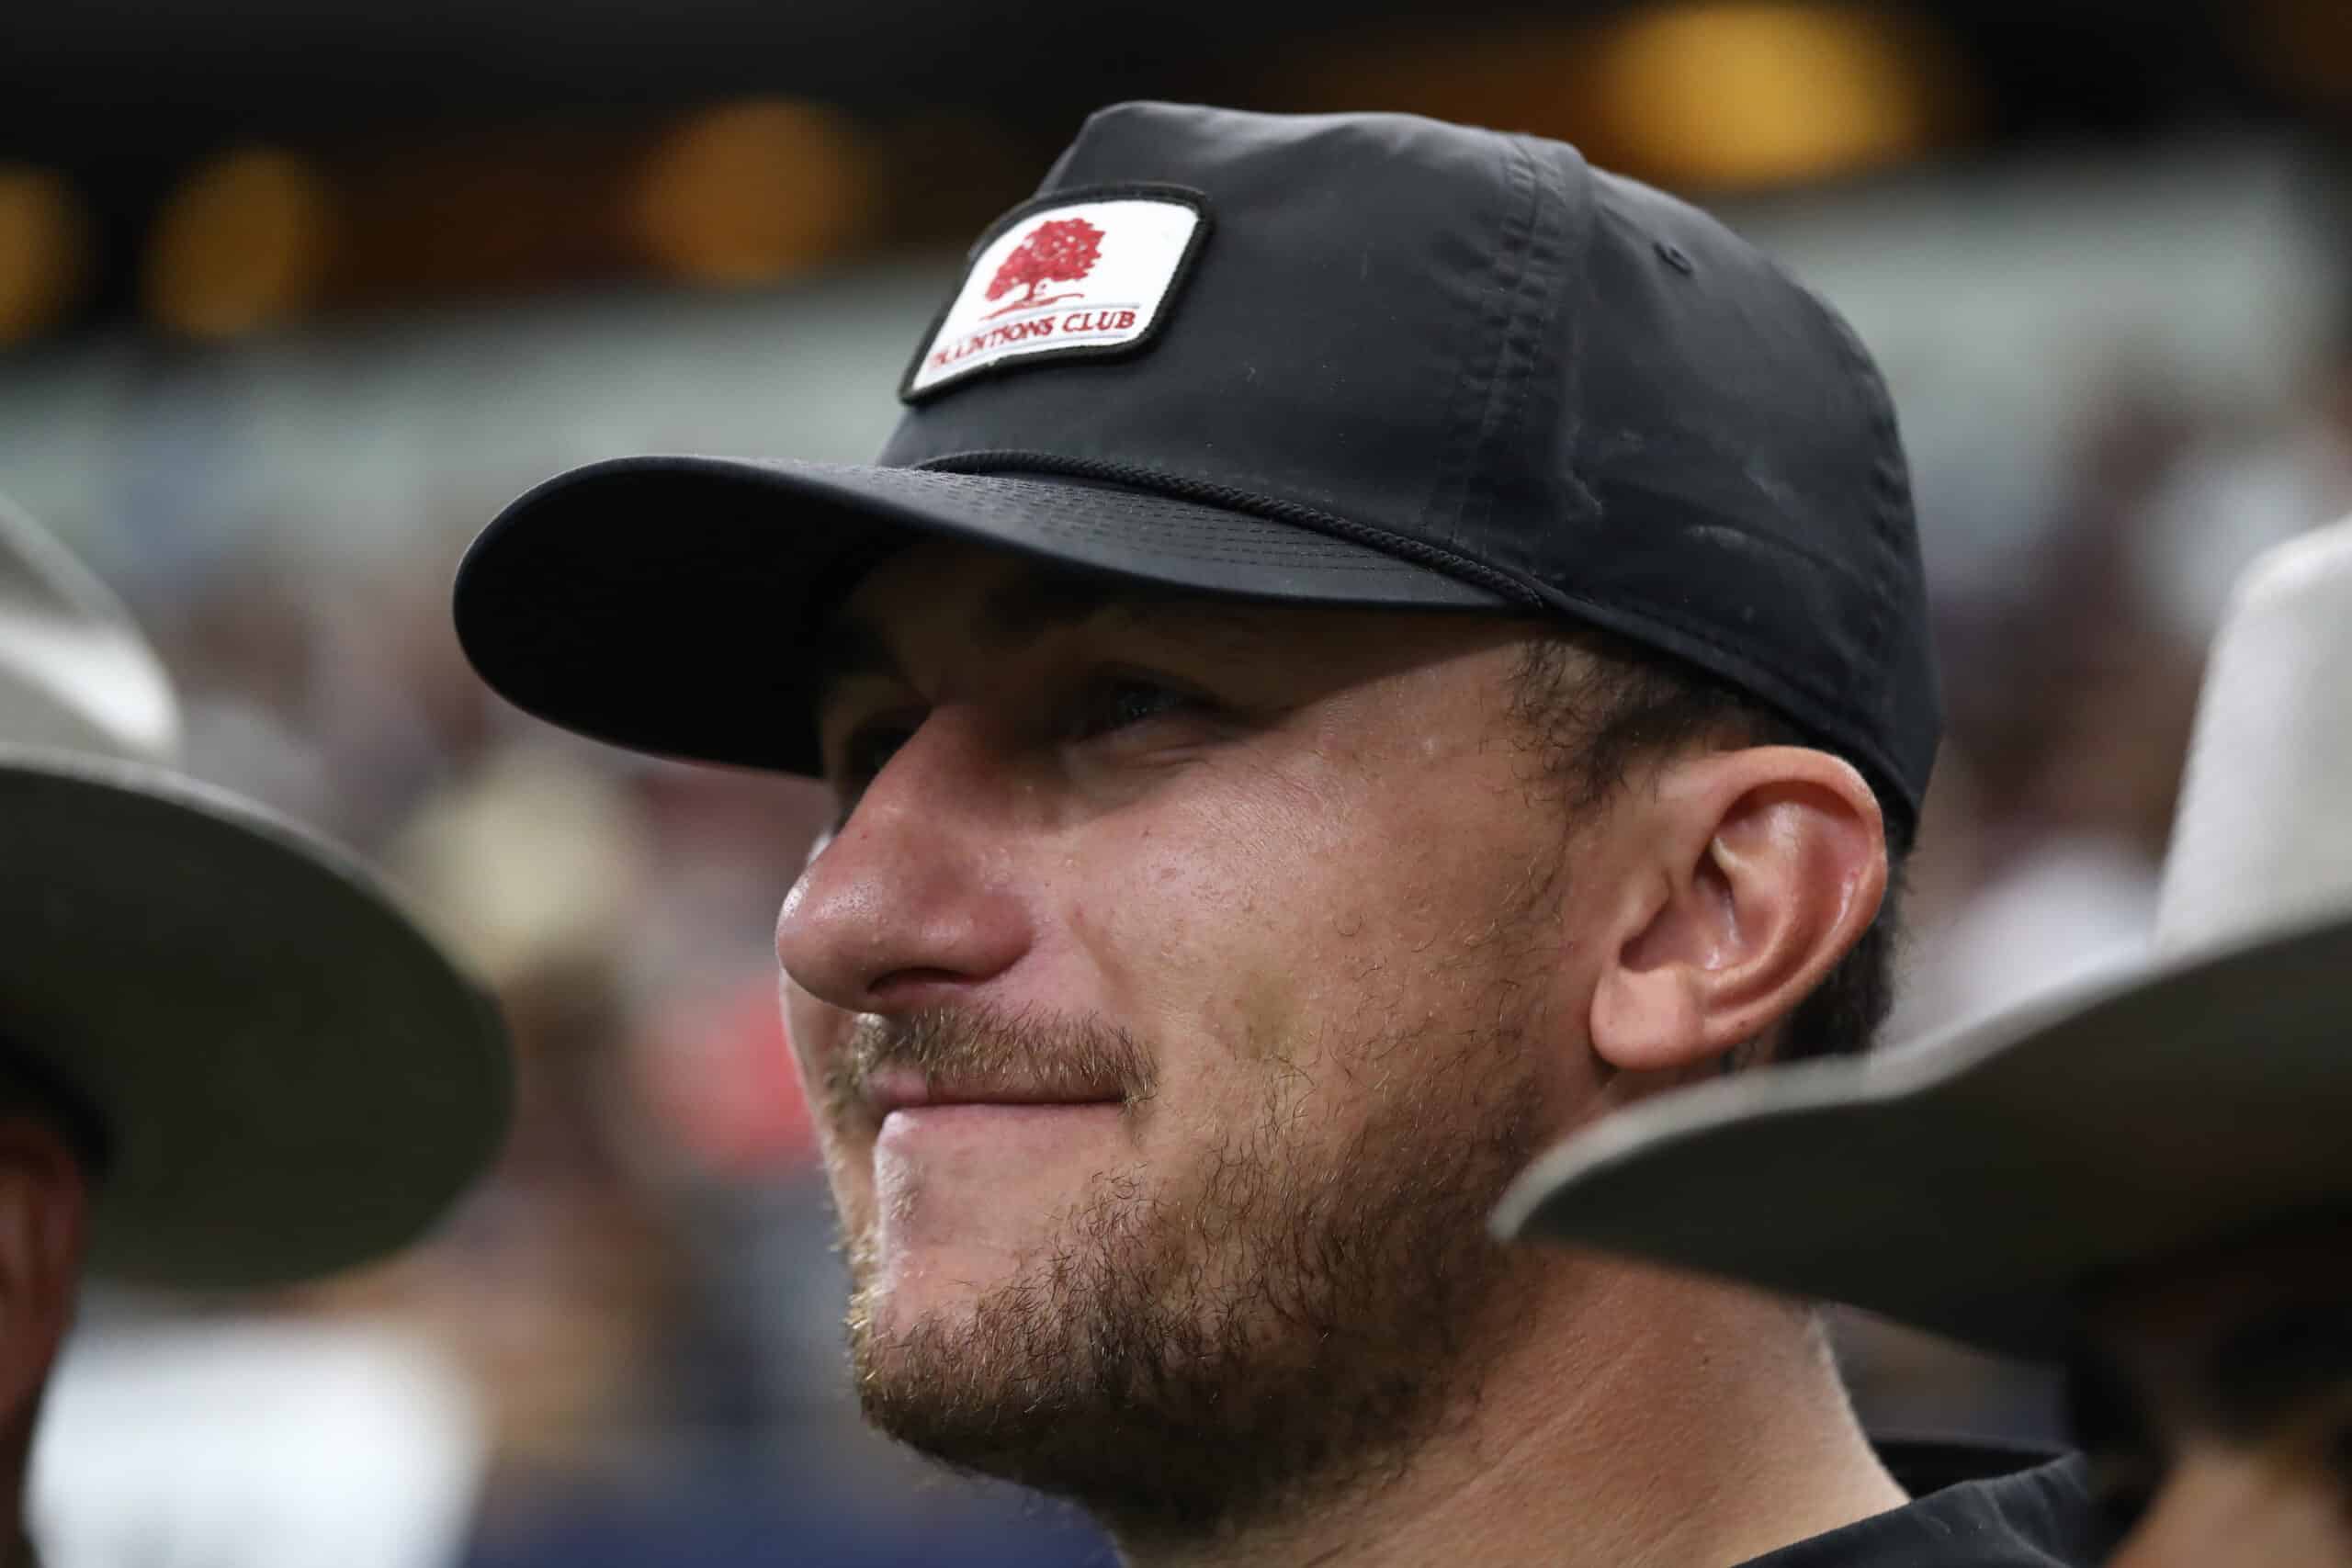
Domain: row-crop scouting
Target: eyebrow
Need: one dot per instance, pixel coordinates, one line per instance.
(1016, 613)
(1022, 609)
(850, 648)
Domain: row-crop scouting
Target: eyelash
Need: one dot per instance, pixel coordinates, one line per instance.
(1107, 705)
(1102, 706)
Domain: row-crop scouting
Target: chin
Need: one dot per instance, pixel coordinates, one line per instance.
(941, 1286)
(1180, 1355)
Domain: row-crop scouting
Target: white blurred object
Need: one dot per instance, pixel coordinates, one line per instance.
(532, 861)
(2224, 508)
(2071, 909)
(238, 743)
(74, 671)
(254, 1444)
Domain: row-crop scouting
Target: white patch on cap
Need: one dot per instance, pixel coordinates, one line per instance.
(1081, 278)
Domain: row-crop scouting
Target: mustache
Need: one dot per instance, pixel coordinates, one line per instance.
(1056, 1055)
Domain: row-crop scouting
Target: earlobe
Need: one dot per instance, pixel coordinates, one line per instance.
(1772, 861)
(1646, 1018)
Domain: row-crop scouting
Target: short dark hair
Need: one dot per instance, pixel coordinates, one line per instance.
(1599, 706)
(30, 1086)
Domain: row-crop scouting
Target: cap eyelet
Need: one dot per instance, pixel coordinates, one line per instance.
(1676, 257)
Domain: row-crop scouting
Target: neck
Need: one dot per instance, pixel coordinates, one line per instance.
(1638, 1420)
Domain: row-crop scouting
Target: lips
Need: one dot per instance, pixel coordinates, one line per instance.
(906, 1089)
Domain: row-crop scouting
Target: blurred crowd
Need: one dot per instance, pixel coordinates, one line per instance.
(2071, 689)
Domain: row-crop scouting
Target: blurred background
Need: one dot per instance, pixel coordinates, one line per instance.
(293, 296)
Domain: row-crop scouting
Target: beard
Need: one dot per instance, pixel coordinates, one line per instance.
(1282, 1318)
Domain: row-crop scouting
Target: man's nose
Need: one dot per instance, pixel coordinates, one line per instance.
(914, 903)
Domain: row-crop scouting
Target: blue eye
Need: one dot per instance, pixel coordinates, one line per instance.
(1122, 703)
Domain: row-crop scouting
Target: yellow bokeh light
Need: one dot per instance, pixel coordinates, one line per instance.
(1746, 92)
(44, 250)
(2306, 45)
(245, 243)
(751, 192)
(1709, 92)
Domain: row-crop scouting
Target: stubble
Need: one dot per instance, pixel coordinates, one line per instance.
(1285, 1318)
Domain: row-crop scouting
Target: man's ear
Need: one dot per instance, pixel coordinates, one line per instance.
(1756, 870)
(44, 1216)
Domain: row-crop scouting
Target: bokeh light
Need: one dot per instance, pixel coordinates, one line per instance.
(245, 243)
(44, 250)
(1747, 93)
(751, 192)
(2306, 47)
(1711, 94)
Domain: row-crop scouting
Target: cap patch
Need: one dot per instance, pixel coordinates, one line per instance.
(1086, 274)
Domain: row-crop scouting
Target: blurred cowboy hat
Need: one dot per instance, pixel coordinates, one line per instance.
(1979, 1182)
(286, 1077)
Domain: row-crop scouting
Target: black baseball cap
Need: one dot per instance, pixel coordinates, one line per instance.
(1346, 359)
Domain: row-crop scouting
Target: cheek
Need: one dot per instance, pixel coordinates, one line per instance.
(1332, 924)
(1344, 900)
(1212, 925)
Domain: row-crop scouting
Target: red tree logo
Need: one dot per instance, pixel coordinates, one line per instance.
(1060, 250)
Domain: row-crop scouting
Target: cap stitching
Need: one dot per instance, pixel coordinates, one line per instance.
(1418, 551)
(1539, 301)
(1495, 386)
(1886, 489)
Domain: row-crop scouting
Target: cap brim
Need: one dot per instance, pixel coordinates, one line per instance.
(293, 1079)
(1981, 1184)
(668, 604)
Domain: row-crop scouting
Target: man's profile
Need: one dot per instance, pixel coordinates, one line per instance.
(1415, 645)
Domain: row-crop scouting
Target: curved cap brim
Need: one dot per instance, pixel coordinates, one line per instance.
(1981, 1185)
(668, 604)
(294, 1080)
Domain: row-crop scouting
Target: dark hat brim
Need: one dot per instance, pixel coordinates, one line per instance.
(1983, 1184)
(669, 603)
(292, 1077)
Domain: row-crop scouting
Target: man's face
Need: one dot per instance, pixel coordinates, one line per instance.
(2235, 1414)
(1183, 983)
